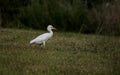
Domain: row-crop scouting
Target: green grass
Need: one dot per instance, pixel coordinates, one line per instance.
(64, 54)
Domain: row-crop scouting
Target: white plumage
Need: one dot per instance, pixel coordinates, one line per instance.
(41, 39)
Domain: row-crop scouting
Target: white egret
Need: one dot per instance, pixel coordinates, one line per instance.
(41, 39)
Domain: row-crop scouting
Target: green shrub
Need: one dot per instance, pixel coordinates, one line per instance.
(85, 16)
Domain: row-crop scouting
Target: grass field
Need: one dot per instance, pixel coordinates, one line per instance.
(65, 54)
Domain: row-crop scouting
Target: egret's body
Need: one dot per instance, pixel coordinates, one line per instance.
(41, 39)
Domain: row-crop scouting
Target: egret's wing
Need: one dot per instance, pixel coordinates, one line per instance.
(42, 37)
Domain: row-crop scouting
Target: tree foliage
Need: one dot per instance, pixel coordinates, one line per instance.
(86, 16)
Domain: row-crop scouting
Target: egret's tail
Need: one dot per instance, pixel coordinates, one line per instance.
(32, 41)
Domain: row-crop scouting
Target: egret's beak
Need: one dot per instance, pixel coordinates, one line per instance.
(54, 28)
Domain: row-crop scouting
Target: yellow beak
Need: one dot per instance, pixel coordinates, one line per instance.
(54, 28)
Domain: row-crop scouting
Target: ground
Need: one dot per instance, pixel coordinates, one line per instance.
(65, 54)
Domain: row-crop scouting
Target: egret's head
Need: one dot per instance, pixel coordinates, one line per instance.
(51, 27)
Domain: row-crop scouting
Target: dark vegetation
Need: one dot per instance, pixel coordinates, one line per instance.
(85, 16)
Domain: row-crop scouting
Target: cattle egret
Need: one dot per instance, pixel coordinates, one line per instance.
(41, 39)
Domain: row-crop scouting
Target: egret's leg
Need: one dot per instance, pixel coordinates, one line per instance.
(44, 43)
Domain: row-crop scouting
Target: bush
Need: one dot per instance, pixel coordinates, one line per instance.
(85, 16)
(106, 20)
(63, 14)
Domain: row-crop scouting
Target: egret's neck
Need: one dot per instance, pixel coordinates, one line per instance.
(50, 31)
